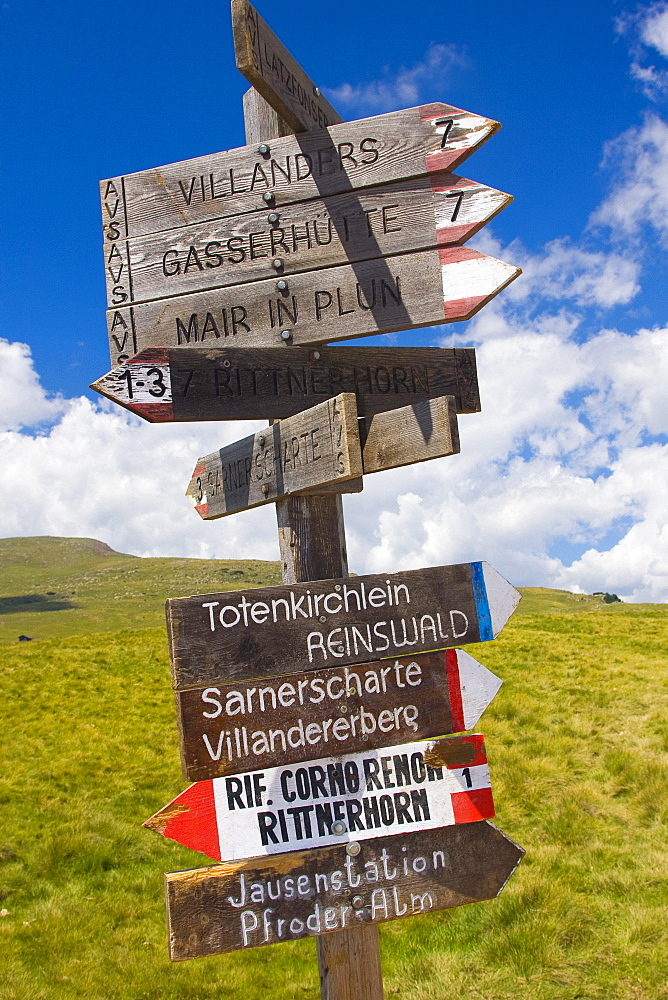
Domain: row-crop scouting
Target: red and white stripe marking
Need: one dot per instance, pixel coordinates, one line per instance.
(471, 279)
(464, 132)
(332, 800)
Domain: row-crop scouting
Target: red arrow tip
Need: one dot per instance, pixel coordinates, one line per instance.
(190, 819)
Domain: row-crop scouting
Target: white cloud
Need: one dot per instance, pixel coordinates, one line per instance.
(654, 28)
(647, 28)
(639, 198)
(402, 89)
(23, 401)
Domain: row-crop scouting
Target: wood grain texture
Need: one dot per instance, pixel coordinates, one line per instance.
(275, 74)
(428, 695)
(210, 910)
(228, 383)
(315, 448)
(352, 155)
(415, 214)
(410, 434)
(218, 637)
(339, 303)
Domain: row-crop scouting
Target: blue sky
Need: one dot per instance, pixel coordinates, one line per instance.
(562, 477)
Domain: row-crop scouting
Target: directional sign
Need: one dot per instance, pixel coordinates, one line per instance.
(410, 143)
(304, 626)
(315, 448)
(355, 300)
(289, 896)
(229, 383)
(268, 65)
(242, 726)
(320, 447)
(416, 214)
(415, 786)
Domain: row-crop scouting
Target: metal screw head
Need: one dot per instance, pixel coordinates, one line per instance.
(358, 902)
(265, 488)
(338, 828)
(340, 649)
(315, 355)
(353, 848)
(281, 286)
(226, 363)
(260, 440)
(268, 197)
(337, 586)
(316, 91)
(277, 263)
(263, 149)
(286, 335)
(272, 217)
(343, 708)
(322, 618)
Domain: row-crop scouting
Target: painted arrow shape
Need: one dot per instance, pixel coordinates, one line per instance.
(164, 384)
(436, 211)
(253, 903)
(332, 800)
(223, 728)
(263, 632)
(374, 296)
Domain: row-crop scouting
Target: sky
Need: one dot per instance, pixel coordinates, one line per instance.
(562, 478)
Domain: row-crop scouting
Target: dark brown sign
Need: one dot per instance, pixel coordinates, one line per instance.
(304, 626)
(416, 214)
(237, 727)
(275, 74)
(337, 303)
(227, 383)
(227, 907)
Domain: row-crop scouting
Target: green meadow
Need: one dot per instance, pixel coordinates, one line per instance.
(578, 745)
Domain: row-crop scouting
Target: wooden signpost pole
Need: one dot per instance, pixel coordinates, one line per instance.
(312, 542)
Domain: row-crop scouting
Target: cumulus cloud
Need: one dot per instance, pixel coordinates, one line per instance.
(639, 198)
(23, 401)
(647, 29)
(404, 88)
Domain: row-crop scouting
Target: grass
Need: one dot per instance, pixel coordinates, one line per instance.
(578, 747)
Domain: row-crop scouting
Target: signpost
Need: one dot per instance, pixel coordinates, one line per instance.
(332, 800)
(240, 726)
(435, 286)
(273, 630)
(310, 713)
(231, 383)
(320, 448)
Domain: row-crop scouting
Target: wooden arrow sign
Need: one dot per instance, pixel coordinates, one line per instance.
(275, 74)
(413, 142)
(313, 449)
(263, 632)
(332, 800)
(284, 897)
(437, 211)
(355, 300)
(320, 448)
(242, 726)
(164, 384)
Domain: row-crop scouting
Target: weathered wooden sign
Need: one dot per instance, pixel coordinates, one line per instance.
(355, 300)
(413, 142)
(331, 800)
(275, 74)
(164, 384)
(320, 448)
(416, 214)
(284, 897)
(245, 725)
(304, 626)
(315, 448)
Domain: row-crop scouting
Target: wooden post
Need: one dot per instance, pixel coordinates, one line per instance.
(312, 542)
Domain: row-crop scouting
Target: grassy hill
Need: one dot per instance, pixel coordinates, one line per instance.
(578, 747)
(51, 587)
